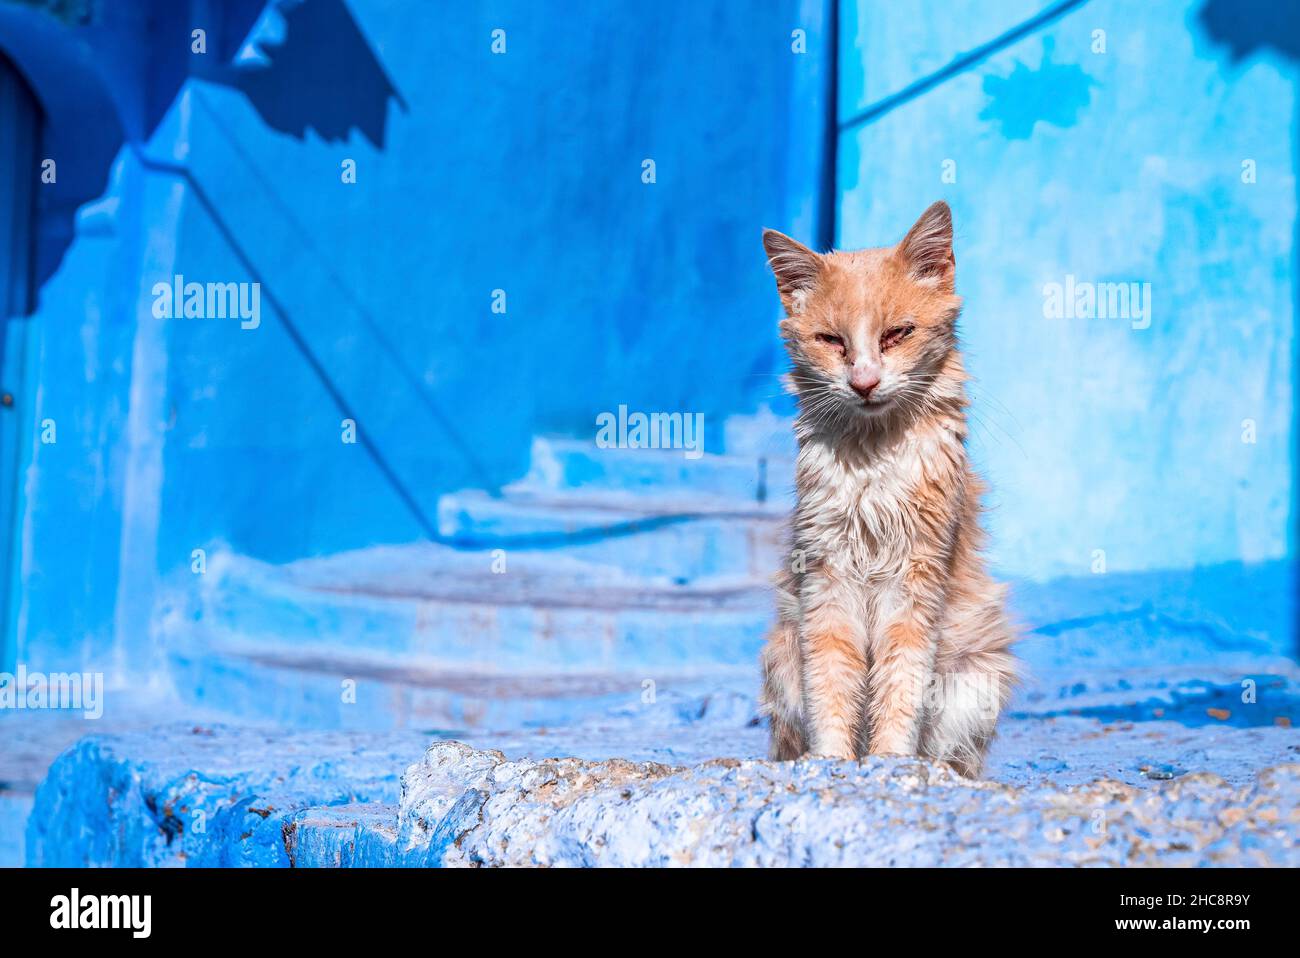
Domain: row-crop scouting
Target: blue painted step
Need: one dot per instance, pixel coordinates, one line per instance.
(331, 691)
(441, 607)
(203, 795)
(560, 464)
(705, 539)
(600, 569)
(432, 637)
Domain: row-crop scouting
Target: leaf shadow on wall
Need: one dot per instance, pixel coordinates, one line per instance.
(301, 64)
(308, 66)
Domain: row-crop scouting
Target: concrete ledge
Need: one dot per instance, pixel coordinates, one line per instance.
(334, 801)
(208, 796)
(881, 812)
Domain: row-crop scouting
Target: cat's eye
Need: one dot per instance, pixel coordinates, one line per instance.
(895, 336)
(831, 340)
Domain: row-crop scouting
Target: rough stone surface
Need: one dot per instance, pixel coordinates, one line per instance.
(334, 800)
(202, 795)
(1155, 727)
(467, 807)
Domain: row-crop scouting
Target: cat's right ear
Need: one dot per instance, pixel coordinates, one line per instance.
(797, 268)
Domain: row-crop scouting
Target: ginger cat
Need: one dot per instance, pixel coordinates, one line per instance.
(891, 637)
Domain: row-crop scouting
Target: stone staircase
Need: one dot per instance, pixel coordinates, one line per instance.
(600, 574)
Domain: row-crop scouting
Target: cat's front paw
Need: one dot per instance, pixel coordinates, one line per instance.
(834, 756)
(899, 746)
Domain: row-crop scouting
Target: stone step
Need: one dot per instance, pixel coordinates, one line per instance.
(285, 687)
(762, 433)
(426, 604)
(431, 637)
(562, 464)
(203, 796)
(682, 541)
(219, 796)
(362, 835)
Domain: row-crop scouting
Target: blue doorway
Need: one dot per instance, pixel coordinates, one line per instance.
(19, 173)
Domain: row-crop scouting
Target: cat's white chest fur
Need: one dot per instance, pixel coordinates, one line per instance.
(857, 509)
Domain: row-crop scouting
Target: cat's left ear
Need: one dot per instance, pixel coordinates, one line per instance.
(797, 268)
(927, 248)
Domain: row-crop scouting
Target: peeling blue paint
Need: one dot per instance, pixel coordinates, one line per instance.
(1049, 93)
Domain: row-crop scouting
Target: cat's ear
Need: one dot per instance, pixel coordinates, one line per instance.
(927, 247)
(797, 268)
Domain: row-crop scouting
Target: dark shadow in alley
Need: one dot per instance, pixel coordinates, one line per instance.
(322, 75)
(101, 83)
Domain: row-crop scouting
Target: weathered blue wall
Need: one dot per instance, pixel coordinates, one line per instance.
(523, 172)
(1117, 166)
(475, 172)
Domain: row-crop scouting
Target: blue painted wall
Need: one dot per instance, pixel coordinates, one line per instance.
(1117, 166)
(523, 172)
(475, 172)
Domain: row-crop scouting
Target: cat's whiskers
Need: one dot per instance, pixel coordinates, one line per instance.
(821, 404)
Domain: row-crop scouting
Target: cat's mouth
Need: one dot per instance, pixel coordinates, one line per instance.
(873, 407)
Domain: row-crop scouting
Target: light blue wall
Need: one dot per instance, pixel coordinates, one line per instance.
(1117, 166)
(475, 172)
(523, 172)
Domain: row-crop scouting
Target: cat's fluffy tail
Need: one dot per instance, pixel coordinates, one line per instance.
(975, 674)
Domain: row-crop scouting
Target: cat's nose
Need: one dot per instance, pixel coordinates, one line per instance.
(862, 381)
